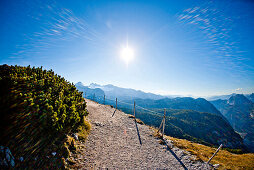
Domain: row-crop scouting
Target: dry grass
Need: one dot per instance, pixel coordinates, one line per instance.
(131, 116)
(226, 159)
(83, 130)
(157, 134)
(74, 146)
(137, 120)
(162, 142)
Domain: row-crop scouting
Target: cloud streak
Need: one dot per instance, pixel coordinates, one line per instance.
(57, 24)
(217, 29)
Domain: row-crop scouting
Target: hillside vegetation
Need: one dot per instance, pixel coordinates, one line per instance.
(38, 110)
(206, 128)
(186, 103)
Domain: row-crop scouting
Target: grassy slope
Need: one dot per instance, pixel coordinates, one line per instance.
(226, 159)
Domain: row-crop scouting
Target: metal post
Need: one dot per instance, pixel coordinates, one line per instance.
(215, 153)
(85, 94)
(104, 99)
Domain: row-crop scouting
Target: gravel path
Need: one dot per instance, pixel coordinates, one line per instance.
(113, 143)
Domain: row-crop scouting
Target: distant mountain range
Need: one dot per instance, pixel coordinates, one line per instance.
(239, 111)
(112, 92)
(89, 92)
(148, 100)
(226, 97)
(189, 118)
(187, 103)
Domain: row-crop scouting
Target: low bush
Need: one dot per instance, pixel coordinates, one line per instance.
(38, 109)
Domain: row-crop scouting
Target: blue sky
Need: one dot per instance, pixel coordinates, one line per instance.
(180, 47)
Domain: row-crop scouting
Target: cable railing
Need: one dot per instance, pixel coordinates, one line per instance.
(103, 100)
(133, 107)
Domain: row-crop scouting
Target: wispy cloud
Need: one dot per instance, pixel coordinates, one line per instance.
(56, 24)
(217, 29)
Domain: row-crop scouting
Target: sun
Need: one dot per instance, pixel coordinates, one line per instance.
(127, 54)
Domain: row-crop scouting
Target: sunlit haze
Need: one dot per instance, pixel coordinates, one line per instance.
(127, 54)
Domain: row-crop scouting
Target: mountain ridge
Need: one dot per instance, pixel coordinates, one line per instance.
(88, 92)
(239, 111)
(112, 91)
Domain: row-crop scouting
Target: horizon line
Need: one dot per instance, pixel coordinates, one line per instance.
(168, 95)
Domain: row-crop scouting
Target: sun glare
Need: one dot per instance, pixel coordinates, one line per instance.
(127, 54)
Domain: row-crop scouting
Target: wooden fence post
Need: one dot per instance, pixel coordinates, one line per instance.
(164, 121)
(116, 103)
(160, 125)
(134, 109)
(215, 153)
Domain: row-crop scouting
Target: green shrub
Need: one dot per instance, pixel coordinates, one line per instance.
(38, 108)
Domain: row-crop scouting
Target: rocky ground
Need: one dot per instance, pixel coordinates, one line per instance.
(114, 143)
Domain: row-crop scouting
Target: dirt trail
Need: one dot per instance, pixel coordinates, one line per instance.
(113, 143)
